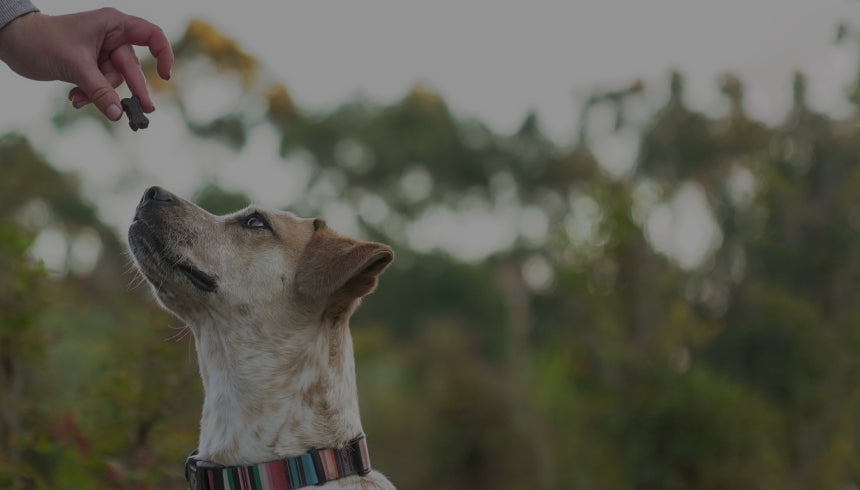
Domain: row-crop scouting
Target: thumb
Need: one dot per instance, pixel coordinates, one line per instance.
(99, 90)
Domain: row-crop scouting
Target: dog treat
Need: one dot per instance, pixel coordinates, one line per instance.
(136, 118)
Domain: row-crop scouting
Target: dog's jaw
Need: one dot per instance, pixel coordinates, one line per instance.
(273, 401)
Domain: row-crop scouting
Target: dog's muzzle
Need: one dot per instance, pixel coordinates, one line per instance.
(149, 248)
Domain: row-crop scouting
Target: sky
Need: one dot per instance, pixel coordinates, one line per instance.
(490, 60)
(497, 59)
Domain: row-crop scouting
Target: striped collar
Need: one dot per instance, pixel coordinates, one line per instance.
(312, 468)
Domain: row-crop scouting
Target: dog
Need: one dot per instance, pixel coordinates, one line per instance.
(268, 297)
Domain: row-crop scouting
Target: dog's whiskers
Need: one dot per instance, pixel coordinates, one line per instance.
(181, 334)
(137, 278)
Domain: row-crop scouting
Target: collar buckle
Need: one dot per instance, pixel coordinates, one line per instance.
(191, 475)
(195, 472)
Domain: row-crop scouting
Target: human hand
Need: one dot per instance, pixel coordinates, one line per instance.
(92, 50)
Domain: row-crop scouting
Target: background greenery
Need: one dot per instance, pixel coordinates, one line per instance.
(585, 352)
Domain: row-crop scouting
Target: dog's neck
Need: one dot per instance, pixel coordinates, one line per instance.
(278, 398)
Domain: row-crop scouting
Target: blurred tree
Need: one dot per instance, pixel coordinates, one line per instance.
(216, 200)
(677, 143)
(72, 400)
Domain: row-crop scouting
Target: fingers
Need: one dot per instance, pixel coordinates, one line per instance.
(100, 92)
(97, 86)
(79, 98)
(117, 62)
(126, 63)
(92, 81)
(139, 32)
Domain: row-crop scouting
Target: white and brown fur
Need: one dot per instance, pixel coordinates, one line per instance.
(268, 297)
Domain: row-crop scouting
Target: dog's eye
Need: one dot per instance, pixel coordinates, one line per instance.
(254, 221)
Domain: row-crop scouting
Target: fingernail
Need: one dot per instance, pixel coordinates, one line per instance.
(113, 112)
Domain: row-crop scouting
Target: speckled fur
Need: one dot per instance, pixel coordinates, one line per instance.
(273, 341)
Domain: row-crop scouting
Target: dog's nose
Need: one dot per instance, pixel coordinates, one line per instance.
(152, 198)
(157, 194)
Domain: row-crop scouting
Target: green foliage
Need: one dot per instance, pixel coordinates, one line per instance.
(620, 369)
(701, 431)
(218, 201)
(434, 288)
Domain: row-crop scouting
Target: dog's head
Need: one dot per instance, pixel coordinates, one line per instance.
(254, 262)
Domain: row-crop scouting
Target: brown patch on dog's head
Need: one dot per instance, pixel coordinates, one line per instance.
(339, 270)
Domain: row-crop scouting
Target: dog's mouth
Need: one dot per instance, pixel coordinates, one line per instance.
(198, 278)
(153, 255)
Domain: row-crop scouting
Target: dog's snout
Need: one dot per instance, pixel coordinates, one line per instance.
(157, 194)
(154, 197)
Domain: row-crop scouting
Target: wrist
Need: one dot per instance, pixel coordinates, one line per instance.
(17, 38)
(9, 30)
(11, 10)
(8, 33)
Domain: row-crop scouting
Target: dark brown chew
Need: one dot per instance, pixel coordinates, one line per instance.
(136, 119)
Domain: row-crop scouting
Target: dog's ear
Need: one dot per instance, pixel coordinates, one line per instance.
(335, 266)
